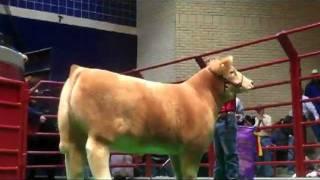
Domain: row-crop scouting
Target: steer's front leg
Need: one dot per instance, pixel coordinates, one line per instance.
(190, 162)
(175, 161)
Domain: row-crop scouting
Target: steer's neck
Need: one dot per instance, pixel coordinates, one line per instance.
(209, 87)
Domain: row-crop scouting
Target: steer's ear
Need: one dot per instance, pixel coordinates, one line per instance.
(221, 65)
(226, 61)
(215, 67)
(73, 68)
(218, 66)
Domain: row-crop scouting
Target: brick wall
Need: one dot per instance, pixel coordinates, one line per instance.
(171, 29)
(210, 25)
(156, 37)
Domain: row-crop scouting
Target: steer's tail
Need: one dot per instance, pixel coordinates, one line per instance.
(68, 136)
(74, 74)
(65, 110)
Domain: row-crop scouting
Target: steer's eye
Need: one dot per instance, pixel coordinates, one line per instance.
(233, 72)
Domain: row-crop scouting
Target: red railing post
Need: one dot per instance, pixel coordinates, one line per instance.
(148, 166)
(24, 118)
(201, 62)
(296, 94)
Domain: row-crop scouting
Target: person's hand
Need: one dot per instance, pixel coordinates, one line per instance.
(259, 116)
(271, 145)
(238, 117)
(43, 119)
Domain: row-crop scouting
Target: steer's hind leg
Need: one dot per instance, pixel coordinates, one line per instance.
(98, 157)
(74, 161)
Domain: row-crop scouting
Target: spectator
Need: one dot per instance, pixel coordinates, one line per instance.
(139, 171)
(239, 111)
(227, 162)
(121, 172)
(308, 109)
(35, 119)
(312, 90)
(310, 113)
(280, 137)
(284, 137)
(290, 170)
(39, 123)
(264, 139)
(248, 121)
(165, 169)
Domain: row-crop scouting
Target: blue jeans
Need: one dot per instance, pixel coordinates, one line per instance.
(265, 170)
(291, 155)
(227, 161)
(316, 131)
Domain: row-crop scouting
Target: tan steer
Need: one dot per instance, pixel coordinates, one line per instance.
(101, 111)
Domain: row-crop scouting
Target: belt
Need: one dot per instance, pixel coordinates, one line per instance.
(226, 113)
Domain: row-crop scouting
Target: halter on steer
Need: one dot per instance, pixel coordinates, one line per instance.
(228, 82)
(238, 85)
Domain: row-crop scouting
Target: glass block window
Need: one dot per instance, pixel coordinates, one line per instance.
(115, 11)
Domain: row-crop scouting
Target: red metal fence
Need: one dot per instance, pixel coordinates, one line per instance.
(13, 112)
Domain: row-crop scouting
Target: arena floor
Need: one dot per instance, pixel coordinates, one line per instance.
(210, 178)
(205, 178)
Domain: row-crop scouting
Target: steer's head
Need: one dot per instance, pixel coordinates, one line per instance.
(224, 69)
